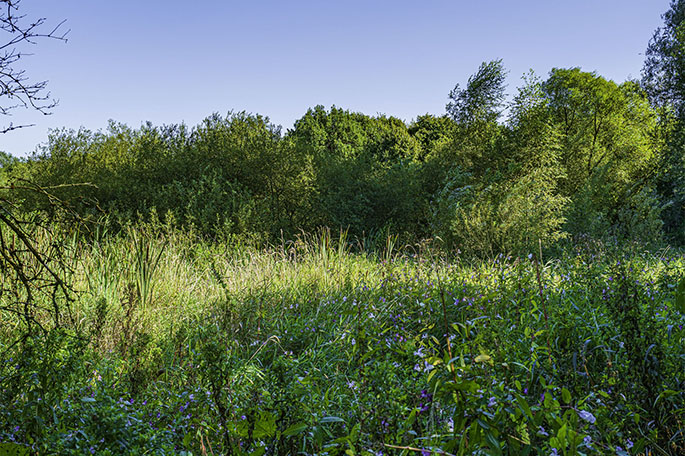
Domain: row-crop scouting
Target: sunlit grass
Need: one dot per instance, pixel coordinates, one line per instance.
(321, 347)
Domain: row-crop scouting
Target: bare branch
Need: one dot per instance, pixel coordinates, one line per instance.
(16, 89)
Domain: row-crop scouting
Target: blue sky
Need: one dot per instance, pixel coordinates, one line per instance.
(177, 61)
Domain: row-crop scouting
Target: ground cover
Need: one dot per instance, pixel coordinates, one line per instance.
(181, 346)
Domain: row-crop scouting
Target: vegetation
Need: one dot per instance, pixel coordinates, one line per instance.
(471, 283)
(180, 345)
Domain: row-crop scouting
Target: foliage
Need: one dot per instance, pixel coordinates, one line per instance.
(663, 69)
(578, 155)
(483, 96)
(298, 348)
(515, 204)
(364, 177)
(662, 78)
(176, 290)
(431, 132)
(610, 148)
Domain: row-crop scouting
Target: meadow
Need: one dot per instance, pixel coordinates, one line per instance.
(175, 345)
(504, 278)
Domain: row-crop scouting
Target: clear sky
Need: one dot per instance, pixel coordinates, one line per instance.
(178, 61)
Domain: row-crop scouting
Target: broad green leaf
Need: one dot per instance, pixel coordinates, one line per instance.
(331, 419)
(266, 426)
(483, 359)
(492, 440)
(524, 405)
(295, 429)
(566, 395)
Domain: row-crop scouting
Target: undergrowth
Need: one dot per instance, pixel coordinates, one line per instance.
(180, 346)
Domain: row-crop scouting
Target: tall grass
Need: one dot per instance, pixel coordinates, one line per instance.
(317, 346)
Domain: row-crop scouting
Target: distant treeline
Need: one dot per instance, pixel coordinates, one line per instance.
(576, 156)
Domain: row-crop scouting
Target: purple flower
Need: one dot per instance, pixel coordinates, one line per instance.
(587, 416)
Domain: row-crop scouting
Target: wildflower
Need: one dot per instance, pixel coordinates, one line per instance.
(587, 440)
(492, 402)
(629, 444)
(587, 416)
(542, 431)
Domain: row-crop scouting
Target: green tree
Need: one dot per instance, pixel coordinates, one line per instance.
(663, 77)
(432, 133)
(663, 74)
(476, 110)
(609, 140)
(363, 173)
(516, 205)
(483, 97)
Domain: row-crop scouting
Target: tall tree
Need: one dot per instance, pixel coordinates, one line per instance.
(609, 151)
(663, 77)
(363, 170)
(604, 126)
(663, 74)
(483, 96)
(476, 109)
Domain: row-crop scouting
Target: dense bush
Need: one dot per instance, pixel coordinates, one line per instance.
(578, 156)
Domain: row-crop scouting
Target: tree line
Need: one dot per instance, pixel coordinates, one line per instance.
(572, 156)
